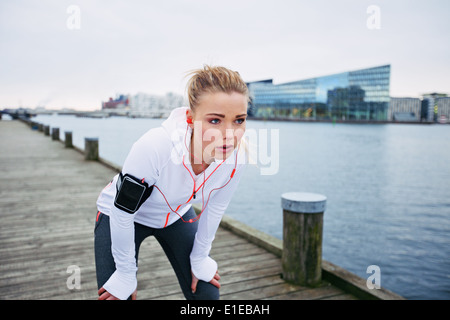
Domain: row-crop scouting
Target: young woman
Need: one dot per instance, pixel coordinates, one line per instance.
(196, 156)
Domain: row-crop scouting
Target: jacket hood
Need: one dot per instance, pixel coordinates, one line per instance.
(178, 130)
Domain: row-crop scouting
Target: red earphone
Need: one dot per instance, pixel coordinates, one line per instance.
(189, 120)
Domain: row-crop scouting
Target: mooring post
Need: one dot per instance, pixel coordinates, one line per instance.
(91, 148)
(34, 125)
(55, 133)
(302, 237)
(68, 139)
(46, 130)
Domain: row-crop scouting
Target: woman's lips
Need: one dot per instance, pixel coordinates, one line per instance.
(225, 148)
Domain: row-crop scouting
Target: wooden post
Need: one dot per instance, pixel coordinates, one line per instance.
(91, 148)
(55, 133)
(68, 139)
(302, 237)
(47, 130)
(40, 127)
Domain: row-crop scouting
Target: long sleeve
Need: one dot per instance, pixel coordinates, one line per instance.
(203, 266)
(139, 163)
(123, 281)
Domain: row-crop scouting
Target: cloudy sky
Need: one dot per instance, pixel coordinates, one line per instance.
(49, 58)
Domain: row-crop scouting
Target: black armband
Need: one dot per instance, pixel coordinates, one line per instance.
(131, 193)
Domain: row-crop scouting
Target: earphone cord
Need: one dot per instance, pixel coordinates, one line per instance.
(201, 186)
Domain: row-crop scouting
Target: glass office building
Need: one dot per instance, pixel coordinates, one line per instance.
(361, 95)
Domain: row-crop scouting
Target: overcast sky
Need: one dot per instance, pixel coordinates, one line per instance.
(147, 46)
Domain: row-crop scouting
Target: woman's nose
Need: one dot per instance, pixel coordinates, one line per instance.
(228, 134)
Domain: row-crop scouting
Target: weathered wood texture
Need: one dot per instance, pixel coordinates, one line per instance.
(47, 211)
(302, 247)
(68, 139)
(55, 133)
(91, 149)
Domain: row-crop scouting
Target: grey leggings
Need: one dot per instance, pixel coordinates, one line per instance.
(176, 240)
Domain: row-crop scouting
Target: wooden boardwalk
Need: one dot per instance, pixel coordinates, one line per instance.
(47, 212)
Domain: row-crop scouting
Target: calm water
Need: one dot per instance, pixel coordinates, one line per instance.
(387, 188)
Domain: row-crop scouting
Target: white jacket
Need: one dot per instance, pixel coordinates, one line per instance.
(158, 157)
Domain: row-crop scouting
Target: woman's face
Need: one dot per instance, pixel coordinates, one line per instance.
(220, 117)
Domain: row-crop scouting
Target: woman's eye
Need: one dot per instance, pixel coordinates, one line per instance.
(217, 121)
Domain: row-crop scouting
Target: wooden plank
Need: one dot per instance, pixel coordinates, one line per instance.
(262, 288)
(344, 296)
(353, 284)
(324, 291)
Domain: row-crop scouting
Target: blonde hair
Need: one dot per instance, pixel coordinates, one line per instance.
(211, 79)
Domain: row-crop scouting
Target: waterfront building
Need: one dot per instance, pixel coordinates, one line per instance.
(404, 109)
(436, 107)
(154, 106)
(361, 95)
(120, 102)
(443, 109)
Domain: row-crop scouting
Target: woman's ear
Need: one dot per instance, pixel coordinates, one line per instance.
(189, 118)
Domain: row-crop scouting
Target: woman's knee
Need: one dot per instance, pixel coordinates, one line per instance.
(205, 291)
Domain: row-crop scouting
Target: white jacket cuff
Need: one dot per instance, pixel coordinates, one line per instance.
(120, 286)
(204, 269)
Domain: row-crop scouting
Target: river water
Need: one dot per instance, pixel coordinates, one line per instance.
(387, 189)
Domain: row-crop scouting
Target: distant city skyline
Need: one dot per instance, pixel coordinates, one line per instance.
(76, 54)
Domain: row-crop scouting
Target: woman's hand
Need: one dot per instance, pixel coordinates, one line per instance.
(105, 295)
(214, 281)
